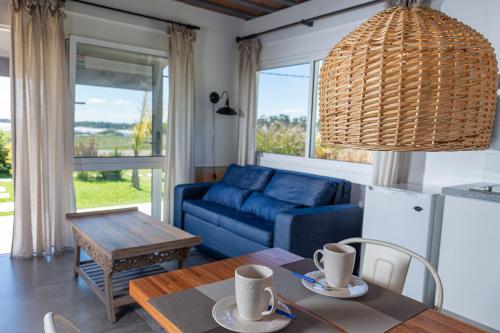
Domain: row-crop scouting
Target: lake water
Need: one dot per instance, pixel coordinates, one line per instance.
(93, 130)
(78, 129)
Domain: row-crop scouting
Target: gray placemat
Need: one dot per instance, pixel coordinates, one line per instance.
(377, 311)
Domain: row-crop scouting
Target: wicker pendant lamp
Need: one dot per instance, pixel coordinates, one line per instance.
(409, 79)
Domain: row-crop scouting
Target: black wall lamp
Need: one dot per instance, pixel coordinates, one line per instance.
(226, 109)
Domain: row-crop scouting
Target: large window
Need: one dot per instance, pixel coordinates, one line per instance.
(118, 102)
(331, 153)
(282, 110)
(120, 94)
(6, 186)
(288, 115)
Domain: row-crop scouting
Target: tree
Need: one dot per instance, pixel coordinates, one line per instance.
(141, 130)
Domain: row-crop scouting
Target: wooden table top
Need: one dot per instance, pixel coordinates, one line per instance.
(166, 283)
(121, 233)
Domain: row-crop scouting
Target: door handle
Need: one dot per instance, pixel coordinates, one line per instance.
(418, 209)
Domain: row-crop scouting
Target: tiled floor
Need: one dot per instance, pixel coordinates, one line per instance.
(30, 288)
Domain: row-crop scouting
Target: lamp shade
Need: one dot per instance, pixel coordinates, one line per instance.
(226, 110)
(409, 79)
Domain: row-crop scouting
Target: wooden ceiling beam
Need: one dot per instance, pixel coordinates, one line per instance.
(253, 6)
(287, 3)
(218, 8)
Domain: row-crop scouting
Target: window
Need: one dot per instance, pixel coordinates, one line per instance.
(288, 116)
(282, 110)
(113, 188)
(329, 153)
(6, 185)
(120, 94)
(117, 102)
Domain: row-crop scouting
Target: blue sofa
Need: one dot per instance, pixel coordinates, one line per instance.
(254, 208)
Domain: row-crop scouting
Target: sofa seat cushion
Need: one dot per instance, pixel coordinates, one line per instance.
(251, 177)
(226, 195)
(301, 189)
(208, 211)
(250, 227)
(266, 207)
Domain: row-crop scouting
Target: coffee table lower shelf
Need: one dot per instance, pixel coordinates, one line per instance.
(93, 275)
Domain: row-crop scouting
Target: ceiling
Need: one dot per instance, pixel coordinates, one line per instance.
(245, 9)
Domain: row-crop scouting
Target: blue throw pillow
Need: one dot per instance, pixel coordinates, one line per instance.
(225, 195)
(306, 190)
(251, 177)
(266, 207)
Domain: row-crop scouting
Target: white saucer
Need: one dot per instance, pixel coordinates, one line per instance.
(225, 314)
(355, 288)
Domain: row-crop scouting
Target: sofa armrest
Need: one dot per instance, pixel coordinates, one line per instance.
(304, 230)
(187, 192)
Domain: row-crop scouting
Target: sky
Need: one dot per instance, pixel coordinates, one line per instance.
(108, 104)
(284, 91)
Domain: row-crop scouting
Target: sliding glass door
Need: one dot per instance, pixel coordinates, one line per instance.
(120, 102)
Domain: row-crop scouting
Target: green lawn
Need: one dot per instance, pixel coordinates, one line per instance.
(9, 187)
(103, 193)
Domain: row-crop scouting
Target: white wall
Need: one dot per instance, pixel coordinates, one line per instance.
(466, 167)
(302, 43)
(215, 56)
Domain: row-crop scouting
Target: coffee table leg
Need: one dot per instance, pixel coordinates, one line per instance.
(77, 261)
(108, 295)
(182, 256)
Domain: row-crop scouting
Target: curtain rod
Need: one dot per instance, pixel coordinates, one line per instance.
(189, 26)
(310, 21)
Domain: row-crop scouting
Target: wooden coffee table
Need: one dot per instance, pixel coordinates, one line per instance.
(124, 244)
(144, 289)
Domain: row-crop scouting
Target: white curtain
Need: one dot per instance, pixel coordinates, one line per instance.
(179, 162)
(390, 168)
(43, 187)
(248, 67)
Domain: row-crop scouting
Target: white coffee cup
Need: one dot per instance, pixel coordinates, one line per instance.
(254, 292)
(338, 263)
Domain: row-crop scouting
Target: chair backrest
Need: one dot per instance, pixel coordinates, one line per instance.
(52, 322)
(386, 265)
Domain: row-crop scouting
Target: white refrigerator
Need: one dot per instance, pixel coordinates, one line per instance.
(409, 216)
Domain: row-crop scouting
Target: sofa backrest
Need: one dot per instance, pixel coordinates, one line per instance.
(307, 189)
(258, 178)
(251, 177)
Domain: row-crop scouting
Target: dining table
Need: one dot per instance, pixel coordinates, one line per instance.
(153, 291)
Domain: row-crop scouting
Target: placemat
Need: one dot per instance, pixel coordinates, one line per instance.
(377, 311)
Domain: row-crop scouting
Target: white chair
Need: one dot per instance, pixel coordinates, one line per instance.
(386, 265)
(53, 320)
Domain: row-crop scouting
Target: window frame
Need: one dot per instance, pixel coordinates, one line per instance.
(355, 172)
(155, 163)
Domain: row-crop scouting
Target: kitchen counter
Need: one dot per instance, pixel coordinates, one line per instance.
(465, 192)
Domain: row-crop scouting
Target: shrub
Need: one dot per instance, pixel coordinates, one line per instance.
(83, 176)
(5, 155)
(281, 135)
(86, 146)
(112, 175)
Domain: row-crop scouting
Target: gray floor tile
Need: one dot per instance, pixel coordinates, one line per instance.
(31, 288)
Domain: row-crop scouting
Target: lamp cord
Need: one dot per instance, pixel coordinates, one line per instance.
(214, 175)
